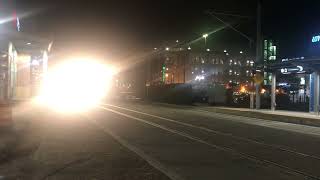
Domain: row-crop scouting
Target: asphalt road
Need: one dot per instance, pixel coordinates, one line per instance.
(190, 143)
(154, 141)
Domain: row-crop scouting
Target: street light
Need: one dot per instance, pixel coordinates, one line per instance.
(189, 48)
(225, 51)
(167, 49)
(205, 38)
(241, 52)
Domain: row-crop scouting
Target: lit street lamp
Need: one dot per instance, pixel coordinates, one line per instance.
(205, 38)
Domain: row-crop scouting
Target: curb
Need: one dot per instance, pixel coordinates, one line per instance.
(271, 117)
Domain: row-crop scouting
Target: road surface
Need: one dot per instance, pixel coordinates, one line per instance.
(179, 142)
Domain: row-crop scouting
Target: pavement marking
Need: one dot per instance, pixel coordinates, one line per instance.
(282, 148)
(153, 162)
(226, 149)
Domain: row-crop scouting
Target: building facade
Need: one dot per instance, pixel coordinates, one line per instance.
(187, 66)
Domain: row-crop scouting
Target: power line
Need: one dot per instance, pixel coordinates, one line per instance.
(212, 13)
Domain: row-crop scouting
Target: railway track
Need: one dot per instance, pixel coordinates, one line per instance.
(128, 114)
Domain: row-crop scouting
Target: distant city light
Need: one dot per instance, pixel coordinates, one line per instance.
(316, 38)
(167, 75)
(300, 68)
(155, 48)
(199, 78)
(302, 81)
(208, 50)
(29, 43)
(243, 89)
(227, 54)
(283, 84)
(167, 49)
(192, 72)
(167, 69)
(177, 41)
(189, 48)
(241, 52)
(225, 51)
(263, 91)
(35, 63)
(202, 71)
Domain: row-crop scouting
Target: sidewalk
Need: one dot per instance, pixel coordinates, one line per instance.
(54, 146)
(278, 112)
(303, 118)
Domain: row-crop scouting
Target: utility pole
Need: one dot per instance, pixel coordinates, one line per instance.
(258, 53)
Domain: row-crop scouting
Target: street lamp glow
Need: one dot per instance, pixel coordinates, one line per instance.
(241, 52)
(205, 35)
(225, 51)
(189, 48)
(167, 48)
(208, 49)
(177, 41)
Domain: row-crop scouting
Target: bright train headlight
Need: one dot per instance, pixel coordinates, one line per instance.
(75, 85)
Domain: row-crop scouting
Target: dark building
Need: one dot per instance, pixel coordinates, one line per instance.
(270, 55)
(180, 65)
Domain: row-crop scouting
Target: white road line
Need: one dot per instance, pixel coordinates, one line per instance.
(225, 149)
(282, 148)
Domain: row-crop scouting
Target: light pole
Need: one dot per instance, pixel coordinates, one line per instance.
(258, 52)
(205, 38)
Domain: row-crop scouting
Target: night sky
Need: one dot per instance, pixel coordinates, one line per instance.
(119, 28)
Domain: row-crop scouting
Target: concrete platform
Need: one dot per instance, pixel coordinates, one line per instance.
(303, 118)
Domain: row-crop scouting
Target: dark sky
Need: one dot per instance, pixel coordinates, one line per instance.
(121, 28)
